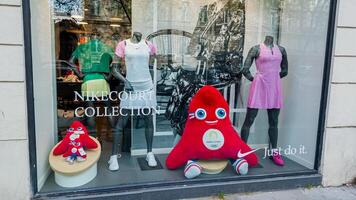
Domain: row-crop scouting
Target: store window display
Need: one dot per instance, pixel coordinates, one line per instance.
(143, 69)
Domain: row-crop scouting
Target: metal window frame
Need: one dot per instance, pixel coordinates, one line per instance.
(32, 127)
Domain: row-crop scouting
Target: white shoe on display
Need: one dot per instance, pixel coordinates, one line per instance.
(113, 163)
(150, 158)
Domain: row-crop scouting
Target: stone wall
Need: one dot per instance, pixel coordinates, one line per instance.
(14, 155)
(339, 152)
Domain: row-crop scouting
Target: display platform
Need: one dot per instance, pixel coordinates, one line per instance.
(78, 173)
(130, 172)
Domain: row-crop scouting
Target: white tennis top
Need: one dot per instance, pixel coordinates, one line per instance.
(136, 57)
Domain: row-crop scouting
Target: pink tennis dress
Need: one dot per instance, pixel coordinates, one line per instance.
(265, 90)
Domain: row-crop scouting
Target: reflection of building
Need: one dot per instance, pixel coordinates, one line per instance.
(27, 120)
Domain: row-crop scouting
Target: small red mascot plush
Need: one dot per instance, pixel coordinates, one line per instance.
(209, 135)
(76, 140)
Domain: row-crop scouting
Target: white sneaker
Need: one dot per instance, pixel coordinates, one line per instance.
(113, 163)
(150, 158)
(192, 170)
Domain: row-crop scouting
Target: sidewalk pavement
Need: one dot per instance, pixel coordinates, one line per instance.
(317, 193)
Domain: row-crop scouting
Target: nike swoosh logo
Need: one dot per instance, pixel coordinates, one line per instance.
(241, 155)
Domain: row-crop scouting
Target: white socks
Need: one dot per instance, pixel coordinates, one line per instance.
(192, 169)
(240, 166)
(113, 163)
(151, 161)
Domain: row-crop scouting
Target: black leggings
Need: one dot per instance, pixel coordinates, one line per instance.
(272, 121)
(122, 122)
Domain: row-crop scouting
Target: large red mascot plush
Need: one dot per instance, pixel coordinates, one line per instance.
(74, 143)
(209, 135)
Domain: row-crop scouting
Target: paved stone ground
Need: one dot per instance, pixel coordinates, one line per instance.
(317, 193)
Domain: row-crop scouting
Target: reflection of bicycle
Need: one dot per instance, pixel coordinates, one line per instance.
(187, 84)
(181, 74)
(221, 69)
(171, 46)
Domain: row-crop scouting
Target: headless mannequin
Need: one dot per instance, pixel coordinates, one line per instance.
(126, 114)
(91, 120)
(272, 113)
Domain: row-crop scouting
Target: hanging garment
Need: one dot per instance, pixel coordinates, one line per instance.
(94, 59)
(265, 90)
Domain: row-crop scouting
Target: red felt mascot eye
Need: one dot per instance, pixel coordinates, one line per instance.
(200, 114)
(220, 113)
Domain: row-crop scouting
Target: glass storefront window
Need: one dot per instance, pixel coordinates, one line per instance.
(132, 72)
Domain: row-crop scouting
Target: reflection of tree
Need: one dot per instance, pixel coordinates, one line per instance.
(67, 6)
(103, 9)
(220, 28)
(219, 38)
(312, 12)
(310, 26)
(217, 41)
(127, 6)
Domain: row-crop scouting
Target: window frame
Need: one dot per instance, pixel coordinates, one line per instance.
(32, 126)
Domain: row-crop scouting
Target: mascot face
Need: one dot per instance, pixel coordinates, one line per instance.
(76, 137)
(76, 130)
(208, 108)
(210, 112)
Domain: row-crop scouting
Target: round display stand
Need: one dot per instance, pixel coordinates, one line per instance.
(213, 166)
(78, 173)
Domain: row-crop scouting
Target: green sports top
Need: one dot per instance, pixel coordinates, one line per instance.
(94, 59)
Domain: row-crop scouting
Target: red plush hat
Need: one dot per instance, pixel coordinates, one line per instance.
(208, 133)
(77, 135)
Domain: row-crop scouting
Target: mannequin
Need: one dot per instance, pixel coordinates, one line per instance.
(94, 58)
(272, 66)
(135, 53)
